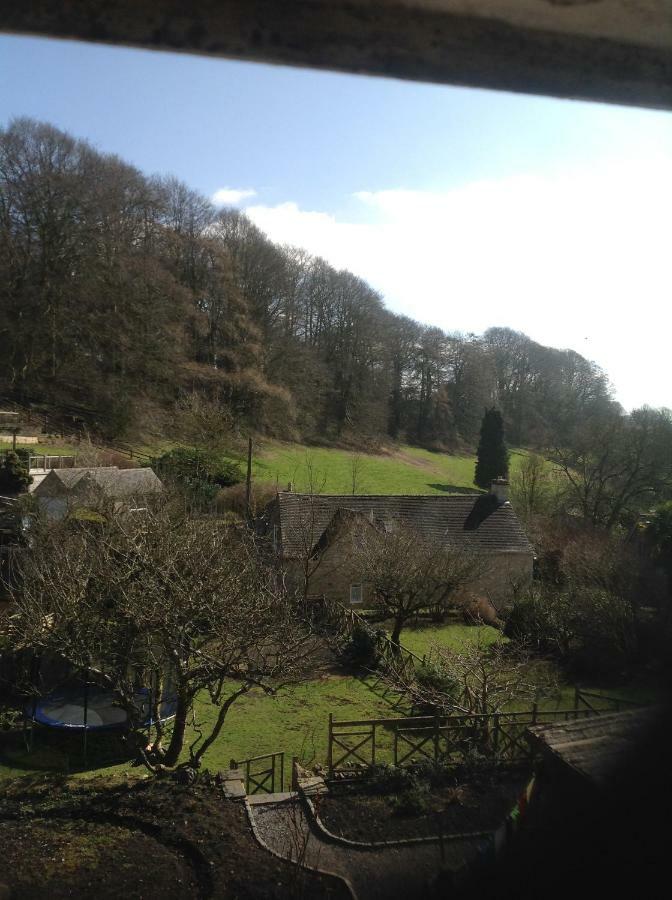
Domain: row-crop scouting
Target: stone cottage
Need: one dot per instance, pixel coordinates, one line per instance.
(310, 535)
(65, 489)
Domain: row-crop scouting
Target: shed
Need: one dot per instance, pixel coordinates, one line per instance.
(63, 488)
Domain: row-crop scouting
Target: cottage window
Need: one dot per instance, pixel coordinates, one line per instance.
(356, 593)
(276, 537)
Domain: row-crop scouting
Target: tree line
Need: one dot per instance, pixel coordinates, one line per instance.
(122, 294)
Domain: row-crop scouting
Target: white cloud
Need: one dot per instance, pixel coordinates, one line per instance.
(575, 259)
(231, 196)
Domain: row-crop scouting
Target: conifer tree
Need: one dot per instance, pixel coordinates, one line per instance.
(492, 456)
(14, 474)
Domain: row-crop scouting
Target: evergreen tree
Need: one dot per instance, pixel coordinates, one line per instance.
(492, 457)
(14, 474)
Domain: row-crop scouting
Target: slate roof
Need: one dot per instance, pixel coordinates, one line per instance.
(110, 480)
(471, 521)
(597, 746)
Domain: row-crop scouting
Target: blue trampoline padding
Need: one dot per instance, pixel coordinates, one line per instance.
(65, 709)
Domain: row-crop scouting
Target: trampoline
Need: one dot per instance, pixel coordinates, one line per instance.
(91, 708)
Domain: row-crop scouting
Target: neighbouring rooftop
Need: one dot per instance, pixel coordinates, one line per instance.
(478, 522)
(596, 747)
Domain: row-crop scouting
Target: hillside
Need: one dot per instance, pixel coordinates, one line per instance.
(399, 469)
(130, 303)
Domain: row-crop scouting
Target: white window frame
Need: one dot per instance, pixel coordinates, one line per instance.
(358, 587)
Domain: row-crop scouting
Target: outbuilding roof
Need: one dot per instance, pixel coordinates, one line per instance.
(109, 480)
(597, 746)
(471, 521)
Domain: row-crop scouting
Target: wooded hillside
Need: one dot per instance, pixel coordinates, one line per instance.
(122, 293)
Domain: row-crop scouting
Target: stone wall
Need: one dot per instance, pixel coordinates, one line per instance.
(335, 574)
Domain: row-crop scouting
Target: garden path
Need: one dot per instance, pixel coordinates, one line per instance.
(374, 874)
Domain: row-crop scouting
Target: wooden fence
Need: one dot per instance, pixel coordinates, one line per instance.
(76, 429)
(452, 740)
(582, 700)
(46, 461)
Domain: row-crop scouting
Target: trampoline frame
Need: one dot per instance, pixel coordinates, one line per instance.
(85, 727)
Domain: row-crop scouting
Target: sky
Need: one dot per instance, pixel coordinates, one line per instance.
(464, 208)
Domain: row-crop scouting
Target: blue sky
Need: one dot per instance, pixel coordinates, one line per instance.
(465, 208)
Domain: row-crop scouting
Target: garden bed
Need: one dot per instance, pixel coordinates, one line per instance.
(457, 806)
(149, 839)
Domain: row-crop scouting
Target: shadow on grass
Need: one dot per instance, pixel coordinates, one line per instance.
(63, 754)
(455, 489)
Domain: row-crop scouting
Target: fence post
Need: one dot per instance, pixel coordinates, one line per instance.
(437, 734)
(576, 703)
(534, 712)
(86, 717)
(330, 757)
(495, 737)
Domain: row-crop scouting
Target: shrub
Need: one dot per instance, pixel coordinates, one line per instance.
(413, 801)
(90, 455)
(388, 779)
(200, 473)
(234, 498)
(543, 623)
(480, 611)
(14, 474)
(590, 630)
(434, 678)
(605, 633)
(362, 648)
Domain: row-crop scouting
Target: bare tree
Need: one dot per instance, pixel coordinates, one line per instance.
(185, 603)
(477, 679)
(614, 464)
(532, 486)
(206, 423)
(408, 573)
(355, 471)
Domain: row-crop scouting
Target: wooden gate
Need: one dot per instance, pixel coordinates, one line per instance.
(264, 774)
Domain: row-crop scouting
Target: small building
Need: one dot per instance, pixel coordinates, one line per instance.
(589, 753)
(310, 537)
(65, 489)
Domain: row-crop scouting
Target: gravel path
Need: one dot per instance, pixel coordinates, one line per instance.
(381, 874)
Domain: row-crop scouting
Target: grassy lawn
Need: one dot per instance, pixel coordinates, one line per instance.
(295, 721)
(421, 638)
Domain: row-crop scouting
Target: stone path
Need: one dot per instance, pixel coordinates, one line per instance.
(374, 874)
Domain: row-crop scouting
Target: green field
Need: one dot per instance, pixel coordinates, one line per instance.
(51, 448)
(398, 470)
(401, 470)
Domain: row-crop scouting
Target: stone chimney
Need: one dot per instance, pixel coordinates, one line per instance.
(500, 488)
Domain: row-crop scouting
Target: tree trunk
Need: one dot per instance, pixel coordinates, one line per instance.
(179, 728)
(214, 734)
(396, 631)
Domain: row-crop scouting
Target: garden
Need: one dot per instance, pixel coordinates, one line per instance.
(294, 720)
